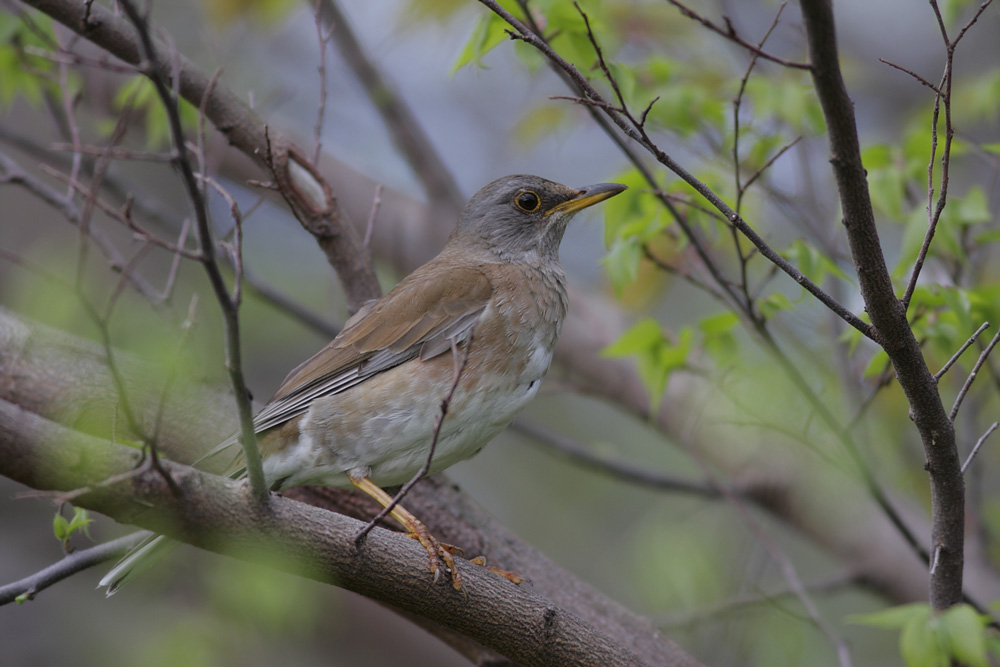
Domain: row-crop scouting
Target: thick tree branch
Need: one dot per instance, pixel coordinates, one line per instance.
(217, 514)
(888, 315)
(62, 378)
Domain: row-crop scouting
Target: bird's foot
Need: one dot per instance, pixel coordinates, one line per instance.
(512, 577)
(440, 554)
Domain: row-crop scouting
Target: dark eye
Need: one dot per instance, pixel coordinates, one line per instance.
(528, 202)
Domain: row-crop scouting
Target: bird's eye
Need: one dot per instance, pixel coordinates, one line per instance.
(528, 202)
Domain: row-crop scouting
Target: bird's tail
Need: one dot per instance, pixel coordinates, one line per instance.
(148, 552)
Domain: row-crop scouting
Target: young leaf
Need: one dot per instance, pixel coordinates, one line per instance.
(921, 643)
(893, 617)
(489, 31)
(964, 630)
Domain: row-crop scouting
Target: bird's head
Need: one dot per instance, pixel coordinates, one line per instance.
(516, 217)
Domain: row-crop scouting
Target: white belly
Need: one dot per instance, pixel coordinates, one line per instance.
(393, 441)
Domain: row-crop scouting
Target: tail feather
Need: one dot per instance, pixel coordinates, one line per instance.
(147, 553)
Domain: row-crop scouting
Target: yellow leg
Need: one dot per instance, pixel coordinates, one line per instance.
(436, 551)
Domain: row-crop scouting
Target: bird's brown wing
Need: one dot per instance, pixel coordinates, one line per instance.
(432, 306)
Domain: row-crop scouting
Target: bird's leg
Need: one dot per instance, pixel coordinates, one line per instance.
(437, 551)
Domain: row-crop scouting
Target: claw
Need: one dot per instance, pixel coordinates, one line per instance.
(437, 552)
(512, 577)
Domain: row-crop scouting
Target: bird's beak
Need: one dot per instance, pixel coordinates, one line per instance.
(588, 196)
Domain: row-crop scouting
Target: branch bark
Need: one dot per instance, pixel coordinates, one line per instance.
(218, 514)
(888, 314)
(54, 376)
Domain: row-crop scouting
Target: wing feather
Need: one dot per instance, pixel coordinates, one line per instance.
(433, 305)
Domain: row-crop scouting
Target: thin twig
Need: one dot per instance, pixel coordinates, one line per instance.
(635, 474)
(405, 130)
(323, 36)
(972, 376)
(460, 364)
(785, 564)
(370, 227)
(27, 588)
(234, 365)
(766, 597)
(730, 33)
(979, 443)
(965, 346)
(916, 76)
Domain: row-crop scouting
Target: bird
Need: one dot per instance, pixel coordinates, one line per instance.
(476, 325)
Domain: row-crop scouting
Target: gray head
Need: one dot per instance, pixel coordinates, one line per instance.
(515, 216)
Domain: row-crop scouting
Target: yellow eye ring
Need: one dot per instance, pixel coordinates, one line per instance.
(528, 201)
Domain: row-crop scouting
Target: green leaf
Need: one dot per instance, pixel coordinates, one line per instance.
(641, 337)
(774, 303)
(888, 189)
(972, 208)
(893, 617)
(964, 631)
(60, 526)
(921, 643)
(81, 521)
(64, 529)
(959, 302)
(140, 93)
(813, 264)
(656, 355)
(622, 262)
(720, 323)
(489, 31)
(877, 364)
(631, 211)
(544, 120)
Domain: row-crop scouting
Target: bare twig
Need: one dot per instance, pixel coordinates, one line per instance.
(920, 79)
(972, 375)
(321, 216)
(323, 35)
(635, 474)
(152, 68)
(11, 173)
(460, 362)
(965, 346)
(786, 566)
(29, 587)
(406, 132)
(942, 98)
(888, 314)
(376, 202)
(737, 604)
(729, 32)
(979, 443)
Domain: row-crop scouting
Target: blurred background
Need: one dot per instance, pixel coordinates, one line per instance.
(696, 566)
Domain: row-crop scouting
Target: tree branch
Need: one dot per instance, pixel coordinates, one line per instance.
(27, 588)
(888, 315)
(60, 377)
(305, 188)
